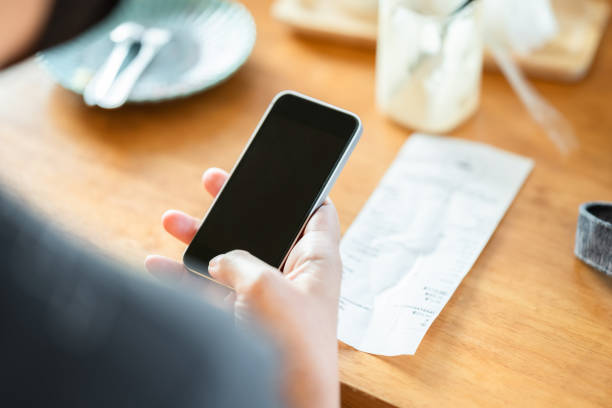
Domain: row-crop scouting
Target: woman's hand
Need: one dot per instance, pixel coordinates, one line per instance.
(298, 307)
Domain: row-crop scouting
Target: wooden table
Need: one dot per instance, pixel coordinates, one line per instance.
(530, 324)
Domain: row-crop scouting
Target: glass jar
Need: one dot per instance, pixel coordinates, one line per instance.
(428, 62)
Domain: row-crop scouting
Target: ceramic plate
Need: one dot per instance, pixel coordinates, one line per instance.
(211, 39)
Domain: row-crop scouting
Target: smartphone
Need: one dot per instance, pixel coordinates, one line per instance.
(283, 175)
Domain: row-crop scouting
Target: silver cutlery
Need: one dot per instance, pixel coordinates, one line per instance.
(124, 36)
(151, 41)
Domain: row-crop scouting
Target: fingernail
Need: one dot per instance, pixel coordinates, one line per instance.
(212, 264)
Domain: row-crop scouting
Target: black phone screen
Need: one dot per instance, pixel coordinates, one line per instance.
(274, 187)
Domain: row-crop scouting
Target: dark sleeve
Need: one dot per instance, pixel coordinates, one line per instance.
(67, 19)
(75, 330)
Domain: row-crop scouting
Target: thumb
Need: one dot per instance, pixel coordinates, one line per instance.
(325, 220)
(242, 271)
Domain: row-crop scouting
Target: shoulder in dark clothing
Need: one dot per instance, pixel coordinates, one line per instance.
(76, 330)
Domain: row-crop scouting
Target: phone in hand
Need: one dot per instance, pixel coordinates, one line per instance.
(284, 174)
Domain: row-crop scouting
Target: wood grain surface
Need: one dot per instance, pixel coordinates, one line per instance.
(529, 326)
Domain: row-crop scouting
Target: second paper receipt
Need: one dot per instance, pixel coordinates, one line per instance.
(418, 236)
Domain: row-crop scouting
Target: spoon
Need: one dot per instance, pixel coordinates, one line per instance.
(152, 40)
(436, 37)
(461, 7)
(125, 35)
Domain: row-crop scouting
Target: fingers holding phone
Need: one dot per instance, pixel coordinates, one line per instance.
(282, 177)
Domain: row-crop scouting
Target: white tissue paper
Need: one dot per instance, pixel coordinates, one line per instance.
(520, 25)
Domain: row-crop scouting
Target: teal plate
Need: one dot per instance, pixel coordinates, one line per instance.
(211, 39)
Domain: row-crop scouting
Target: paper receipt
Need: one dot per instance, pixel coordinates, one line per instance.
(418, 236)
